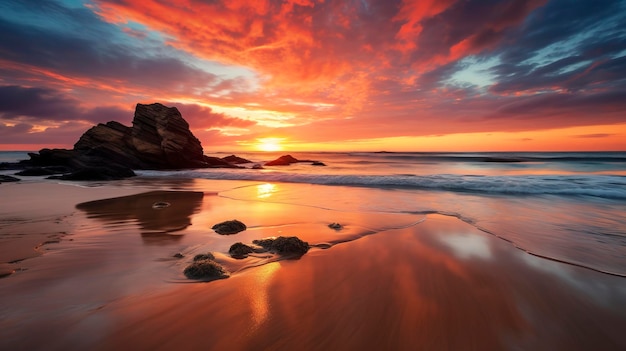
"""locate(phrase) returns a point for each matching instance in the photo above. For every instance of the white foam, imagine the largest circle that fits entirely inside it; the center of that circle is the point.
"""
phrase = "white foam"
(603, 186)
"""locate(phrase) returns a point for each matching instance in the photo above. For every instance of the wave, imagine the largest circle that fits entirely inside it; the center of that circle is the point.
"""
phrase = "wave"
(501, 157)
(602, 186)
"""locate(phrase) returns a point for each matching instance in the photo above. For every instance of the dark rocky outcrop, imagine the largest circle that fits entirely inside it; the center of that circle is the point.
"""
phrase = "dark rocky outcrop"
(229, 227)
(108, 172)
(286, 160)
(216, 162)
(502, 160)
(286, 246)
(240, 250)
(43, 171)
(6, 179)
(159, 139)
(236, 160)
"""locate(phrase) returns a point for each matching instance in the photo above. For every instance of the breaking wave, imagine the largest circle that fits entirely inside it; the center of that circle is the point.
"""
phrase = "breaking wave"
(602, 186)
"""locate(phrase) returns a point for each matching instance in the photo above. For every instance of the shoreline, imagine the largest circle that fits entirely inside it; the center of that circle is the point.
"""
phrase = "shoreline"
(386, 280)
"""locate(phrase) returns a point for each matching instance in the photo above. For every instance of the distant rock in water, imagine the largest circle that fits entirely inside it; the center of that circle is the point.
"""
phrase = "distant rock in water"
(235, 160)
(502, 159)
(229, 227)
(159, 139)
(284, 160)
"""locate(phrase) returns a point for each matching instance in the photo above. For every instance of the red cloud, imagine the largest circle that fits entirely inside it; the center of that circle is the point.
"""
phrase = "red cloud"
(321, 50)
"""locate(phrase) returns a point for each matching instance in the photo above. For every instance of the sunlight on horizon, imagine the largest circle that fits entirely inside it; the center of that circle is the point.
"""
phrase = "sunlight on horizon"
(269, 144)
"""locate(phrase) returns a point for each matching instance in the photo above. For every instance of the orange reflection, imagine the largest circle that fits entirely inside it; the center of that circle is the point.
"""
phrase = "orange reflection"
(259, 298)
(266, 190)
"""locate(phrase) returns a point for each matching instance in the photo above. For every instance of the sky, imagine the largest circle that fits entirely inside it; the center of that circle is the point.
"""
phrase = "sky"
(321, 75)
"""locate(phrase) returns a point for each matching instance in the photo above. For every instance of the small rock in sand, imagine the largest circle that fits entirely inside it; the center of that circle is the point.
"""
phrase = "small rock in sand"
(206, 256)
(229, 227)
(240, 250)
(205, 269)
(335, 226)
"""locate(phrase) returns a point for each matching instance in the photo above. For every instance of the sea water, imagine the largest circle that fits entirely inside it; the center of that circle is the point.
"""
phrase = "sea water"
(564, 206)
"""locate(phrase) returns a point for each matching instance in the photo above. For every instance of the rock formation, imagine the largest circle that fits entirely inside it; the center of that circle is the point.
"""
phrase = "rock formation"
(158, 139)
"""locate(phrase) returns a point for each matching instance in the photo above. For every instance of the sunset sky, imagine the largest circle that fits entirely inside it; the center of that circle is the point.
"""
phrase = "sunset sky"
(449, 75)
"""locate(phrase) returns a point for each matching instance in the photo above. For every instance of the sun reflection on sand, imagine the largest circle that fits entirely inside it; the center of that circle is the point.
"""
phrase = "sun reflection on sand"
(266, 190)
(257, 292)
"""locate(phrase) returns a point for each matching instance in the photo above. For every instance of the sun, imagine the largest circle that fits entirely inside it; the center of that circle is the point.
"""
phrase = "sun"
(269, 144)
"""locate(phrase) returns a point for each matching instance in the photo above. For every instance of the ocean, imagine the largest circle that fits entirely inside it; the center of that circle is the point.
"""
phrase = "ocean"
(564, 206)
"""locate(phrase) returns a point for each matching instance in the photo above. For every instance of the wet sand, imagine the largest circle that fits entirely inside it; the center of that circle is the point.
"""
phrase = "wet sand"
(385, 281)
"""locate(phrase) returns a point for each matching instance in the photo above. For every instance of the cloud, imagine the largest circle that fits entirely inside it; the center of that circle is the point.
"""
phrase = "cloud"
(44, 105)
(318, 70)
(202, 117)
(594, 136)
(84, 51)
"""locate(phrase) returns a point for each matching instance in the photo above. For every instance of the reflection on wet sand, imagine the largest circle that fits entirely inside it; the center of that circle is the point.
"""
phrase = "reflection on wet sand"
(159, 214)
(402, 289)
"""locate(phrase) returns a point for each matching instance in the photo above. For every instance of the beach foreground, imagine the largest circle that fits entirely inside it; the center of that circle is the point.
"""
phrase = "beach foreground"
(109, 276)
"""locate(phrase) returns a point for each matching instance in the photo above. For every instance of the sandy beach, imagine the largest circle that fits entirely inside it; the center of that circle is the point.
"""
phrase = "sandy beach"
(96, 267)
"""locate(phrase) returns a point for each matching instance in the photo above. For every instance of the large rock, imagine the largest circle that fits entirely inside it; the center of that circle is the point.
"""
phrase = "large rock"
(159, 139)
